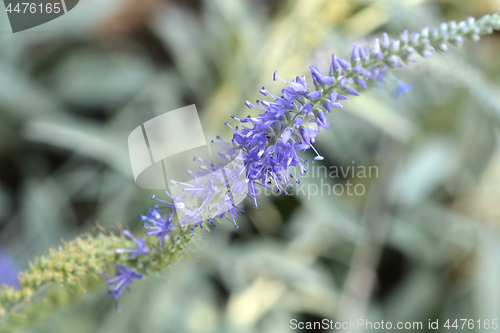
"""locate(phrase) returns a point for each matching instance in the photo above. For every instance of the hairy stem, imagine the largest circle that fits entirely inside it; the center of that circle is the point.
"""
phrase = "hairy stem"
(74, 262)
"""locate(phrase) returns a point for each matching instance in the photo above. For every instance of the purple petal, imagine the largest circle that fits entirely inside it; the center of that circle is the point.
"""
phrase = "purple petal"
(333, 96)
(344, 63)
(287, 134)
(355, 53)
(314, 95)
(327, 105)
(352, 91)
(298, 121)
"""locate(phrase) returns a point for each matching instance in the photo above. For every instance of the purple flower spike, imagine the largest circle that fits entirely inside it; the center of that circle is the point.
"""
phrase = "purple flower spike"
(269, 144)
(123, 280)
(140, 246)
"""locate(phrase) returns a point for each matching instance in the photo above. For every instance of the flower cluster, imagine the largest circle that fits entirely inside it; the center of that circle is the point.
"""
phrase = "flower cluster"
(264, 151)
(122, 280)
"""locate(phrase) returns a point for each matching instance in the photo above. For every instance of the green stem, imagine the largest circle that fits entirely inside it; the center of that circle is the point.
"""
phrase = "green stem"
(74, 262)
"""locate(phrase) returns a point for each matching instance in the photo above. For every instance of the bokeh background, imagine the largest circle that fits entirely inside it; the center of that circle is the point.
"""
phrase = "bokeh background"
(422, 243)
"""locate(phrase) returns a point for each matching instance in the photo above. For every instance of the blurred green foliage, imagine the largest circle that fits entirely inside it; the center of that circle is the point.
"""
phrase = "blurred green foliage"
(425, 236)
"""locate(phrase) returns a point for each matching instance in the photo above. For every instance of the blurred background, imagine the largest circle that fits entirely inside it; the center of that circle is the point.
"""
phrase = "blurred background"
(422, 243)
